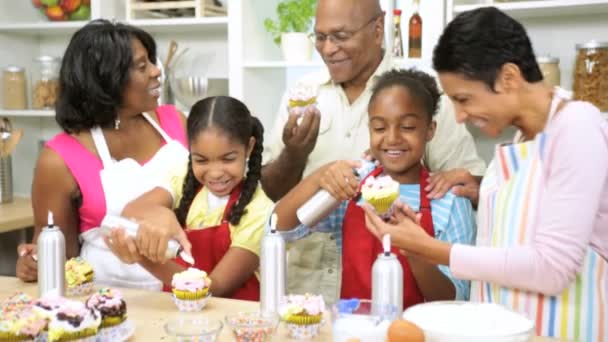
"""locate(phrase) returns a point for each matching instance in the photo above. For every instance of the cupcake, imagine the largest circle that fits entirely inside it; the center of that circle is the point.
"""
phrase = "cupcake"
(190, 289)
(113, 310)
(300, 98)
(380, 193)
(73, 321)
(78, 277)
(303, 314)
(18, 320)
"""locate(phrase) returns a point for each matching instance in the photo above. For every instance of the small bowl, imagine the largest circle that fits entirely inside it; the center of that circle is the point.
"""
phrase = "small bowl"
(353, 320)
(201, 329)
(252, 326)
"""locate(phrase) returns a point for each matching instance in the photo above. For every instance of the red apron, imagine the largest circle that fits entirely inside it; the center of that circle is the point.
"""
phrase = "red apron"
(360, 249)
(209, 245)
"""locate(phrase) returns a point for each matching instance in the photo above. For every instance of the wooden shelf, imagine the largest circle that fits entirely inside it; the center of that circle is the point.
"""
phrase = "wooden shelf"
(27, 112)
(282, 64)
(543, 8)
(42, 28)
(16, 215)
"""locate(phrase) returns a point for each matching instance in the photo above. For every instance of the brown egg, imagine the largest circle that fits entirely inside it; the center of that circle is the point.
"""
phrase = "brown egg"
(404, 331)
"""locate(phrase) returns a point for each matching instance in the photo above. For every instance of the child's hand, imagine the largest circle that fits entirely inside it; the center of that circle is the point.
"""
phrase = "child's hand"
(27, 267)
(123, 246)
(154, 234)
(339, 179)
(460, 181)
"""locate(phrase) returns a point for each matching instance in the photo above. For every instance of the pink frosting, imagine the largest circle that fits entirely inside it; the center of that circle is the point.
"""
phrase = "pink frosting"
(191, 280)
(379, 182)
(311, 304)
(105, 298)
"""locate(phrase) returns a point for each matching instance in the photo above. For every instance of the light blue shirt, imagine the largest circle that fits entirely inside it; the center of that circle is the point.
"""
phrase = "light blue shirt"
(453, 221)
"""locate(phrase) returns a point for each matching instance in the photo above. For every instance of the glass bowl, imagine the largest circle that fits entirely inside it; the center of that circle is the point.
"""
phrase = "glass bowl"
(200, 329)
(352, 319)
(252, 326)
(473, 322)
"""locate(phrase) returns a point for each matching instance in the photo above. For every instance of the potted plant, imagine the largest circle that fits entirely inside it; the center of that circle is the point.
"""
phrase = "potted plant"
(291, 30)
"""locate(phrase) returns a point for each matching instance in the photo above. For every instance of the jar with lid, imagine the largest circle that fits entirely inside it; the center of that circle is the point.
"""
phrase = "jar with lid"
(591, 74)
(14, 88)
(549, 66)
(45, 82)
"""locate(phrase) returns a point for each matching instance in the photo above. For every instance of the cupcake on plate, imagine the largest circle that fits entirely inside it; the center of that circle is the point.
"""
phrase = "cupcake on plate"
(190, 289)
(18, 320)
(78, 277)
(303, 315)
(113, 310)
(301, 98)
(73, 321)
(380, 192)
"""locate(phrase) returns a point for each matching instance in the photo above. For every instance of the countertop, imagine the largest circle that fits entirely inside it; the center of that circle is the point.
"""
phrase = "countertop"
(16, 215)
(149, 311)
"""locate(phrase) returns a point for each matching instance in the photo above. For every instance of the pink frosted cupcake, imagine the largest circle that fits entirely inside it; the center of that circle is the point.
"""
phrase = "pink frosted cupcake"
(303, 315)
(113, 310)
(18, 320)
(73, 321)
(300, 99)
(78, 277)
(190, 289)
(380, 193)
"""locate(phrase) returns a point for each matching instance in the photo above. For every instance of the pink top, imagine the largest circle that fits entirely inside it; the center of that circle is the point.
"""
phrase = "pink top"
(574, 212)
(85, 166)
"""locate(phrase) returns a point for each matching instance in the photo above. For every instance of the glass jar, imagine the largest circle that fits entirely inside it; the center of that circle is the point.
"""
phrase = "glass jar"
(45, 82)
(591, 74)
(549, 66)
(14, 91)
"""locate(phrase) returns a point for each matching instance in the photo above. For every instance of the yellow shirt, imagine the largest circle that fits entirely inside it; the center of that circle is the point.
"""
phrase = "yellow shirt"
(247, 234)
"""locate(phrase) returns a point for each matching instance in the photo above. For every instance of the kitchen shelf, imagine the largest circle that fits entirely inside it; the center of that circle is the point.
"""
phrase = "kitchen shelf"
(42, 28)
(27, 112)
(282, 64)
(169, 25)
(544, 8)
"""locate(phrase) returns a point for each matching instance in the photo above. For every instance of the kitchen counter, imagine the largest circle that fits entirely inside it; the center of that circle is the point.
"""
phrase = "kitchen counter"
(16, 215)
(150, 310)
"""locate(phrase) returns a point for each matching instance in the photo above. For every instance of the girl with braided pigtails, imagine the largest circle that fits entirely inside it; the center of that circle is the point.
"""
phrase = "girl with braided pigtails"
(215, 201)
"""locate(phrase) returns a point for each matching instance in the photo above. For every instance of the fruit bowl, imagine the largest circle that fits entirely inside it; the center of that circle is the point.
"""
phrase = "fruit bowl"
(62, 10)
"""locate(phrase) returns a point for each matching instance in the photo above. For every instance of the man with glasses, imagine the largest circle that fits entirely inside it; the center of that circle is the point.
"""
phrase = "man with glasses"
(348, 35)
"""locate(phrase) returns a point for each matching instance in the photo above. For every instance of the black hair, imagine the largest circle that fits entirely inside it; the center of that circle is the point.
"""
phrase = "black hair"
(477, 43)
(232, 117)
(94, 73)
(419, 84)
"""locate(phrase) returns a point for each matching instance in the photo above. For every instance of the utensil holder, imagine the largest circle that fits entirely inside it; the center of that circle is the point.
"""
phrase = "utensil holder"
(6, 180)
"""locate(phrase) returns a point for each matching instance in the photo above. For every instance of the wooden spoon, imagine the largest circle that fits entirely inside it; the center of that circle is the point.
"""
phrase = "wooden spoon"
(11, 143)
(170, 53)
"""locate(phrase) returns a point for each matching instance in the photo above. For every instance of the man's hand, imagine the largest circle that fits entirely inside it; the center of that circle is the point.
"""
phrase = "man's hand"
(300, 139)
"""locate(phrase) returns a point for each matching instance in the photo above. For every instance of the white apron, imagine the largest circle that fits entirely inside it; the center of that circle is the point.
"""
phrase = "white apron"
(123, 181)
(507, 216)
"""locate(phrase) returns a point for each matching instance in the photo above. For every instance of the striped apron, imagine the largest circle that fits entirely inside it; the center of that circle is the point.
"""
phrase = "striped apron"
(507, 215)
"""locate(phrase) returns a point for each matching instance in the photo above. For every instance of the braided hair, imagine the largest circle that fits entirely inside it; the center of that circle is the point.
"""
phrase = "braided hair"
(232, 117)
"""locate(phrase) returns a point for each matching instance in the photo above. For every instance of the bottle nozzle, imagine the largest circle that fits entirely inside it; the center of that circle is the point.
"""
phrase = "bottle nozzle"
(273, 223)
(185, 256)
(50, 222)
(386, 244)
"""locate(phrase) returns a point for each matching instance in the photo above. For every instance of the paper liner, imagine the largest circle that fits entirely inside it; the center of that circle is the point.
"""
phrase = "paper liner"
(117, 333)
(190, 305)
(83, 289)
(303, 331)
(383, 204)
(304, 319)
(6, 336)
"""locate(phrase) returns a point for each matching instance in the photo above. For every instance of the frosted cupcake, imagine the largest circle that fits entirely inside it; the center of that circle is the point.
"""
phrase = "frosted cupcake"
(303, 315)
(301, 98)
(113, 310)
(380, 193)
(78, 277)
(190, 289)
(18, 320)
(74, 322)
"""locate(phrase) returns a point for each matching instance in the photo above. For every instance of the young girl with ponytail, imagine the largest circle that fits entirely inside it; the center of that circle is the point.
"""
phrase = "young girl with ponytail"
(215, 204)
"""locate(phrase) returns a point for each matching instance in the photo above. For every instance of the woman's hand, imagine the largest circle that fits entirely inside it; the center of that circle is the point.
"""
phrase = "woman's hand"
(154, 234)
(123, 246)
(27, 265)
(460, 181)
(340, 180)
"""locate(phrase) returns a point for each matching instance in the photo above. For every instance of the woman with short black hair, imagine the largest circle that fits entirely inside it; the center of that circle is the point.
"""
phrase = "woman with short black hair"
(116, 144)
(542, 240)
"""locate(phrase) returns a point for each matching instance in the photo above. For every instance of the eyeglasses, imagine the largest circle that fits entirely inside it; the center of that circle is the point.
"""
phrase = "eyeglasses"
(341, 37)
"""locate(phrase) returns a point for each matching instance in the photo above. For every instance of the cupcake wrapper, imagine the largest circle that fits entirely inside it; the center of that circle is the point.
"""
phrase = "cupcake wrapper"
(112, 321)
(85, 335)
(187, 295)
(115, 333)
(303, 332)
(304, 319)
(299, 110)
(382, 205)
(83, 289)
(189, 305)
(6, 336)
